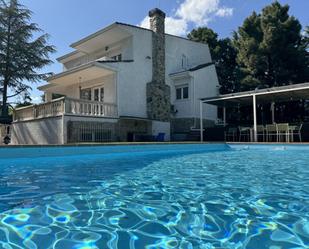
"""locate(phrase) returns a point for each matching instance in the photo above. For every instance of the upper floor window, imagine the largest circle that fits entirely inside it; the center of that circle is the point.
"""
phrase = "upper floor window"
(184, 61)
(182, 92)
(117, 57)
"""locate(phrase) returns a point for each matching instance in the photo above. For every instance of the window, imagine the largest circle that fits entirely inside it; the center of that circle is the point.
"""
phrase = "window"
(185, 92)
(178, 93)
(85, 94)
(182, 92)
(184, 61)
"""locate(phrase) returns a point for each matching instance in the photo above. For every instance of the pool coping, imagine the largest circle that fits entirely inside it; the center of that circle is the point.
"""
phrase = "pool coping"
(104, 144)
(146, 143)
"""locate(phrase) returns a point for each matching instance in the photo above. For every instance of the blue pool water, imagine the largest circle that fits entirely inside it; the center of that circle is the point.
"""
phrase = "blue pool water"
(155, 196)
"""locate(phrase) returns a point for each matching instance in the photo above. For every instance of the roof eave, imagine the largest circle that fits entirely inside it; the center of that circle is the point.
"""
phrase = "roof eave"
(89, 37)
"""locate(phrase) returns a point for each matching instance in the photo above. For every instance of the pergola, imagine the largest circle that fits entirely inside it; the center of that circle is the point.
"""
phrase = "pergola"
(261, 96)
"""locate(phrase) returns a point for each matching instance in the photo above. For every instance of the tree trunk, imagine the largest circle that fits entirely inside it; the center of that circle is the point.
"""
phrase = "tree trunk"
(5, 112)
(4, 109)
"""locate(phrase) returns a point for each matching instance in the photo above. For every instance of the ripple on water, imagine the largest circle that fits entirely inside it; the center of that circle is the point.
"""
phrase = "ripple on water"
(210, 200)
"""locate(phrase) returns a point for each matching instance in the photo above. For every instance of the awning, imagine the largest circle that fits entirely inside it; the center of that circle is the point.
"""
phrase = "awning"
(258, 96)
(263, 96)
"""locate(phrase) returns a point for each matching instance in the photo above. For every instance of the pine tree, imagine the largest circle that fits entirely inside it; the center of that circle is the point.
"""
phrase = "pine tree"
(270, 49)
(21, 54)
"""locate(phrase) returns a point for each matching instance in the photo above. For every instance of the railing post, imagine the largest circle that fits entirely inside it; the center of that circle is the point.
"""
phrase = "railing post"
(63, 103)
(34, 112)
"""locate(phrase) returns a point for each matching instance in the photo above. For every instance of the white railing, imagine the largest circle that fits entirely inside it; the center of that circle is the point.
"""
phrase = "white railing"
(90, 108)
(68, 106)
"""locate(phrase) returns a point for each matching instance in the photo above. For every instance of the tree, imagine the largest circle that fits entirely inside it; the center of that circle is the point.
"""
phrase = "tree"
(306, 38)
(223, 55)
(21, 53)
(270, 50)
(208, 36)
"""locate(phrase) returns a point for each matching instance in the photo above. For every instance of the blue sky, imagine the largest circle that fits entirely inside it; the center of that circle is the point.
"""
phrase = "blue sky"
(69, 20)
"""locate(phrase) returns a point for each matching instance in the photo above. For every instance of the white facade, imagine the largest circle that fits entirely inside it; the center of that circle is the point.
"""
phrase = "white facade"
(126, 85)
(113, 67)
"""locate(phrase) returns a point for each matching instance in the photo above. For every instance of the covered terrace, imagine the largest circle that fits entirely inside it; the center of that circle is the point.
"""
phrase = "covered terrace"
(254, 98)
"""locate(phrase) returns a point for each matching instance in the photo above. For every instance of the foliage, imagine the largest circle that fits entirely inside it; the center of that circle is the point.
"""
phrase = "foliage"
(270, 51)
(21, 52)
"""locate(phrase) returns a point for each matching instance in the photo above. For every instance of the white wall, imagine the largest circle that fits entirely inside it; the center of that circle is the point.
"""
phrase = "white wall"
(161, 127)
(184, 107)
(42, 131)
(197, 54)
(134, 76)
(123, 47)
(206, 85)
(202, 83)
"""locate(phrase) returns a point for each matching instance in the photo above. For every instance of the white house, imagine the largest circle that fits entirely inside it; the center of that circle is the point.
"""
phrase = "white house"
(123, 83)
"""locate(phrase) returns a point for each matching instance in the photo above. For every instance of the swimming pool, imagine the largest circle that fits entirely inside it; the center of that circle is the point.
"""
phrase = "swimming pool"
(155, 196)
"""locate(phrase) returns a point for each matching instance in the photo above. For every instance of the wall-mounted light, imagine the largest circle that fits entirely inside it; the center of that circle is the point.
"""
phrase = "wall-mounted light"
(106, 48)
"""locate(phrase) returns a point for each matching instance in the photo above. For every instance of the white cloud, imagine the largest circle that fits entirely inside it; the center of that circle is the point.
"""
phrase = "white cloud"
(145, 23)
(174, 26)
(224, 12)
(195, 12)
(36, 99)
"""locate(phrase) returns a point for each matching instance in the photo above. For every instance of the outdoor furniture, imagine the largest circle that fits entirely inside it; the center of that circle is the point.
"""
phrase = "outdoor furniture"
(231, 133)
(283, 131)
(244, 132)
(295, 130)
(260, 129)
(271, 132)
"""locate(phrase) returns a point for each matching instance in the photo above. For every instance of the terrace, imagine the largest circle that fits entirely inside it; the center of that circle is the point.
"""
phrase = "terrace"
(66, 106)
(271, 132)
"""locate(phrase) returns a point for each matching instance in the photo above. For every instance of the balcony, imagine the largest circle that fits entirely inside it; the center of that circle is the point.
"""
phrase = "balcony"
(66, 106)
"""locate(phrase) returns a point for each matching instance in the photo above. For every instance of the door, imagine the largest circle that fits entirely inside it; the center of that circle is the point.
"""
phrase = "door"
(98, 95)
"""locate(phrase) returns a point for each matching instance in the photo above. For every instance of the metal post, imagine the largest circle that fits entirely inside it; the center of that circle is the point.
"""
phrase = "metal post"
(273, 112)
(224, 116)
(201, 121)
(254, 118)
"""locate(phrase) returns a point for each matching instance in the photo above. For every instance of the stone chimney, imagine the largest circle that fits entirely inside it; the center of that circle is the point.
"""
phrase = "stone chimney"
(157, 25)
(158, 93)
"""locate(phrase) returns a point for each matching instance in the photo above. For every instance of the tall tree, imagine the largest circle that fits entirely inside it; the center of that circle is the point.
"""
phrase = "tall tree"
(22, 53)
(269, 47)
(223, 55)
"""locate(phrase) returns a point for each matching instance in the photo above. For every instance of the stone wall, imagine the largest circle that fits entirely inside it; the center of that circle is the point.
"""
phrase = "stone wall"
(128, 128)
(158, 101)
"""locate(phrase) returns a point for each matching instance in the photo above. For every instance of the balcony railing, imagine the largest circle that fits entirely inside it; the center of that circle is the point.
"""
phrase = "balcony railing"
(67, 106)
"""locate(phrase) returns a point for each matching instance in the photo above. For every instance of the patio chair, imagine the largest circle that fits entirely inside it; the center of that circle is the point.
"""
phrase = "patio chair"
(283, 131)
(296, 131)
(271, 131)
(244, 132)
(230, 133)
(260, 129)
